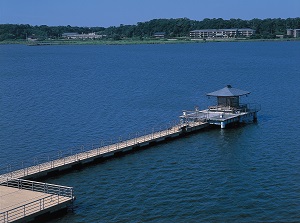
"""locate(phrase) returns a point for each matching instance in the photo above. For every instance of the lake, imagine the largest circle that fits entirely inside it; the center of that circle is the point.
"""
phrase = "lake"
(55, 98)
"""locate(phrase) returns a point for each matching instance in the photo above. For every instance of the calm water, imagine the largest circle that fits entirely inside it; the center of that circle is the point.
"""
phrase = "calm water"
(59, 97)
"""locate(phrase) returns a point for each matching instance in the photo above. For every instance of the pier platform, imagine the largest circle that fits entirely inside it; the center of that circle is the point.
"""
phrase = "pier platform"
(223, 115)
(24, 201)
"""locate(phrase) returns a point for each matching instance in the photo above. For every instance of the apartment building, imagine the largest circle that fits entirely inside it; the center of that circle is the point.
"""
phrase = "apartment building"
(82, 36)
(221, 33)
(293, 32)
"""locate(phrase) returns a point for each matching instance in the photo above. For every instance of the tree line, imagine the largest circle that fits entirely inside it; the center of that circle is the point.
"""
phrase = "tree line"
(173, 28)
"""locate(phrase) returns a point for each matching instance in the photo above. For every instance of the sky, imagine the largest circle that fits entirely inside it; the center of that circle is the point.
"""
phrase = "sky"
(105, 13)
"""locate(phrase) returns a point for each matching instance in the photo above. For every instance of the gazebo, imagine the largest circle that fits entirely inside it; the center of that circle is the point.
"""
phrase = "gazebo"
(228, 110)
(228, 97)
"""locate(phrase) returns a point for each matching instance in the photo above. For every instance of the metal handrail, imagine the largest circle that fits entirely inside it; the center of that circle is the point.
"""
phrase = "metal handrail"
(254, 107)
(249, 107)
(38, 187)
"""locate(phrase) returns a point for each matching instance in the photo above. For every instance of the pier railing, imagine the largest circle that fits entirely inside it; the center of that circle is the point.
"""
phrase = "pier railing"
(38, 187)
(194, 116)
(64, 157)
(38, 162)
(53, 195)
(249, 107)
(253, 107)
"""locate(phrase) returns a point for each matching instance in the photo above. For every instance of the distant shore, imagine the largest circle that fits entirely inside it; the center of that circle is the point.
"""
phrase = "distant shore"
(136, 42)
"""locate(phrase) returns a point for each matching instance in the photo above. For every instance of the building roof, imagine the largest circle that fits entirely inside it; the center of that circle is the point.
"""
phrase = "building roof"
(159, 33)
(246, 29)
(228, 91)
(222, 30)
(67, 34)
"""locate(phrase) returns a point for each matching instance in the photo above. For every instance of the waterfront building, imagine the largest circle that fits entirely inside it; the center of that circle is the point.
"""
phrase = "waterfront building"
(159, 35)
(293, 32)
(82, 36)
(221, 33)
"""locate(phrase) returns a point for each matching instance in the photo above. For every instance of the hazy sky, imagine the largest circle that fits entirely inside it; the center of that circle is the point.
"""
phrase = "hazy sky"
(115, 12)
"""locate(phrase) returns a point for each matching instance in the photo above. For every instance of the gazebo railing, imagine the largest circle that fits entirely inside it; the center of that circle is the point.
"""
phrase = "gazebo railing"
(249, 107)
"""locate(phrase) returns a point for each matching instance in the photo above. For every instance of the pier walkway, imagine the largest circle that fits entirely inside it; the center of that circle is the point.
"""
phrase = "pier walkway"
(77, 159)
(22, 200)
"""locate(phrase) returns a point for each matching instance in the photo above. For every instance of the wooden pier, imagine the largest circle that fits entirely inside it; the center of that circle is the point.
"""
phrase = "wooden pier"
(53, 167)
(23, 200)
(14, 189)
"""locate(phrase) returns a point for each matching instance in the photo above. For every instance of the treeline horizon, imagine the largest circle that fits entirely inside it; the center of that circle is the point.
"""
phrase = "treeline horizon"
(180, 27)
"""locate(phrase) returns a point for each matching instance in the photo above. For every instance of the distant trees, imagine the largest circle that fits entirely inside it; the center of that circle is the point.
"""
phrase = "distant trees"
(12, 31)
(265, 28)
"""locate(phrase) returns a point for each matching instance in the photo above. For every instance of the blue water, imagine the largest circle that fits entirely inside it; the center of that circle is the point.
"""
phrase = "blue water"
(60, 97)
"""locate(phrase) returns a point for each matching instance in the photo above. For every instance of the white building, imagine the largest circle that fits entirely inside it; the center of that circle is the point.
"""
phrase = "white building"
(293, 32)
(159, 35)
(82, 36)
(221, 33)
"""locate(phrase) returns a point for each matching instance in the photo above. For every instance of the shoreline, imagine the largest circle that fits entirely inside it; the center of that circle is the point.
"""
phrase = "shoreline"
(135, 42)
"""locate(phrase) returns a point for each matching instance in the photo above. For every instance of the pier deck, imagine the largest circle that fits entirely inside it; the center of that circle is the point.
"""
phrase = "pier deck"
(69, 162)
(217, 115)
(23, 200)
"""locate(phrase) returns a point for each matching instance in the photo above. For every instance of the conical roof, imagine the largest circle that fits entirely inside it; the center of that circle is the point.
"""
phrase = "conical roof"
(228, 91)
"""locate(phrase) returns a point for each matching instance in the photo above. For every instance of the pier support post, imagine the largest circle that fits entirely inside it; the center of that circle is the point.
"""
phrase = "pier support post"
(255, 117)
(223, 125)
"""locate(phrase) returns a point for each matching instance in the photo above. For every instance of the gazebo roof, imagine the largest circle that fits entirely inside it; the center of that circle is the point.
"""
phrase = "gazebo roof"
(228, 91)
